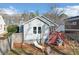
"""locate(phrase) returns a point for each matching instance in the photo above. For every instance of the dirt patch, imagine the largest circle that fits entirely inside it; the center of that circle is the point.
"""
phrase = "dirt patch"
(28, 48)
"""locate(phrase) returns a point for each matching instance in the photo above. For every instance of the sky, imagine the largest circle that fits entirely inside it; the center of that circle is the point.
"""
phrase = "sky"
(24, 7)
(71, 9)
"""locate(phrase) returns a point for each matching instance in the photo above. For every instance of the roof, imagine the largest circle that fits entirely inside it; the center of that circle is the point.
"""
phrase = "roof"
(72, 18)
(43, 19)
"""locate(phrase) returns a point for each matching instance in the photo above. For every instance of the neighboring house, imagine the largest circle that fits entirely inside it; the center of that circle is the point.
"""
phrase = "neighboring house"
(72, 24)
(38, 29)
(72, 27)
(2, 25)
(4, 42)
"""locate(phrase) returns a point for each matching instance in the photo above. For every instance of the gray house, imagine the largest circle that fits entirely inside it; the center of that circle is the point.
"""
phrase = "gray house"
(72, 27)
(72, 24)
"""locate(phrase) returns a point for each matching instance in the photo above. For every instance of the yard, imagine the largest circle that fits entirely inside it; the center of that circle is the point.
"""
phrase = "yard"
(68, 49)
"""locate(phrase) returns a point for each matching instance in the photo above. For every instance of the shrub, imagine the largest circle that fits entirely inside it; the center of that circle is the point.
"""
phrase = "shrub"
(12, 29)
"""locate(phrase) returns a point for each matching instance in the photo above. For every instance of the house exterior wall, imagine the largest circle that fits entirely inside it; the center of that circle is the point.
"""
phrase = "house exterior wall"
(72, 28)
(28, 30)
(2, 24)
(4, 46)
(2, 28)
(72, 24)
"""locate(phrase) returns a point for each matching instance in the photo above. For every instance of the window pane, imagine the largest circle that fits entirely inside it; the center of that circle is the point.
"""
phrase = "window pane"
(39, 29)
(34, 30)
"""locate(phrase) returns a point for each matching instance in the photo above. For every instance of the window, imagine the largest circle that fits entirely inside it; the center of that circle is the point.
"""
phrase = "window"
(34, 30)
(20, 29)
(52, 28)
(39, 29)
(71, 23)
(74, 23)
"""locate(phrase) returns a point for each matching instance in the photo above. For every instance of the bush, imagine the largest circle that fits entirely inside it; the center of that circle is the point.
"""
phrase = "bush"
(12, 28)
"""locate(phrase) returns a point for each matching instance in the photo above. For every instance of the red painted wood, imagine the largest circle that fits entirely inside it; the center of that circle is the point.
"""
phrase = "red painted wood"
(55, 36)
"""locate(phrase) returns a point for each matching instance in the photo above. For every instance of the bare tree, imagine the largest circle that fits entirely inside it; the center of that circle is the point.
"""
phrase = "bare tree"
(56, 15)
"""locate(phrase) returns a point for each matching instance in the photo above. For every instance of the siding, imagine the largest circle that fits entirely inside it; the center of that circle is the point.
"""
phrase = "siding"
(28, 30)
(4, 46)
